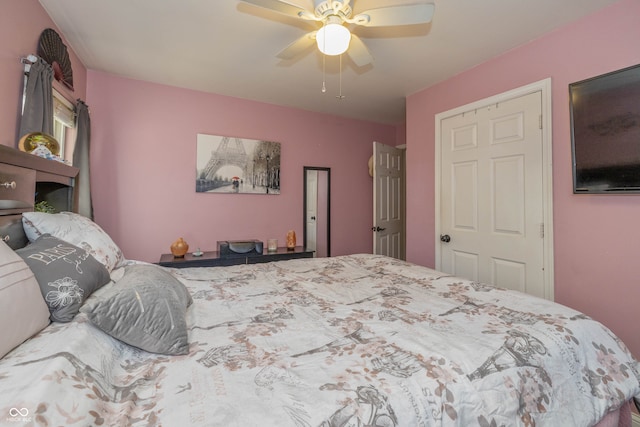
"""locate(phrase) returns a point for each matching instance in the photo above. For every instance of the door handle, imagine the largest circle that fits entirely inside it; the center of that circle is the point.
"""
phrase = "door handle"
(377, 229)
(313, 218)
(445, 238)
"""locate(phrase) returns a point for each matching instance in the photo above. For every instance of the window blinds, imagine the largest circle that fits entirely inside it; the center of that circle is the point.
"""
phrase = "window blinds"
(63, 110)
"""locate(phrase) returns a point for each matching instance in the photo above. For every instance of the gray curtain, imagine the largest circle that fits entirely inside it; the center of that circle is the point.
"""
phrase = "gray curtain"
(38, 102)
(81, 160)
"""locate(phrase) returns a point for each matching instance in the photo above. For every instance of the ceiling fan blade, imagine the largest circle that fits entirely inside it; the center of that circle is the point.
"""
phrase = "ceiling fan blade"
(279, 6)
(358, 52)
(298, 46)
(408, 14)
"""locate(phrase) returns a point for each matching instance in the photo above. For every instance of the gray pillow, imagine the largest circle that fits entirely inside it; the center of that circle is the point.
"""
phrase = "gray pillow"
(145, 309)
(67, 274)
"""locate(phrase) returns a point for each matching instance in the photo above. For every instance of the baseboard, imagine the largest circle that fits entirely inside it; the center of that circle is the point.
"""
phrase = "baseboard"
(635, 420)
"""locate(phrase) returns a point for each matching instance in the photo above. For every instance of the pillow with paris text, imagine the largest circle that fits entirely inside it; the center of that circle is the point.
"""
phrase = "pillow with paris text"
(67, 274)
(77, 230)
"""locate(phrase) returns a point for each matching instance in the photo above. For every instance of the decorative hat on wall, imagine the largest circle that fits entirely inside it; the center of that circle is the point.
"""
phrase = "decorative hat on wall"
(54, 52)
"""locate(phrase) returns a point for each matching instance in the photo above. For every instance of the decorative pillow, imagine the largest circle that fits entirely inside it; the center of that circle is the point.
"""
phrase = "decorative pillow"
(67, 274)
(77, 230)
(23, 312)
(145, 309)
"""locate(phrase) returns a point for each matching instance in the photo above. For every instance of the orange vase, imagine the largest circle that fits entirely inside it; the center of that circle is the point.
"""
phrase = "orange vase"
(179, 248)
(291, 240)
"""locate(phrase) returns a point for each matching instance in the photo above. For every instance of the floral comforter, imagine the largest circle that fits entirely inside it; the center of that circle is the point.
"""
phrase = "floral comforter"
(357, 340)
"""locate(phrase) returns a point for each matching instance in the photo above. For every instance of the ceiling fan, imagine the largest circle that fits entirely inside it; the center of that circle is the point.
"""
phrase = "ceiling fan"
(334, 38)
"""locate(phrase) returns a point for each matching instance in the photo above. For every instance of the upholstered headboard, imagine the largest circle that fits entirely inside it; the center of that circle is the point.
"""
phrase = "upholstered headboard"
(26, 179)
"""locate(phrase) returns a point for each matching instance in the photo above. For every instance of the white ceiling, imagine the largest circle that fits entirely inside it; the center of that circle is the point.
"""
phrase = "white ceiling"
(228, 47)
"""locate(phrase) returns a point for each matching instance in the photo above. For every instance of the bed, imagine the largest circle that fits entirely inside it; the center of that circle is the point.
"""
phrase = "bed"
(354, 340)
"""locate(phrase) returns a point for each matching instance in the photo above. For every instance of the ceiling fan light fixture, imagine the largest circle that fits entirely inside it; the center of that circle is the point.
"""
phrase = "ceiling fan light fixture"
(333, 39)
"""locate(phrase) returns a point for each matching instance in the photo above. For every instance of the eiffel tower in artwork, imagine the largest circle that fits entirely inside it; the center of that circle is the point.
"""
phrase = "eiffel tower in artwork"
(230, 152)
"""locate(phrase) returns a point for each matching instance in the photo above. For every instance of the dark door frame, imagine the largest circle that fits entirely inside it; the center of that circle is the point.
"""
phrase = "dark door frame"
(304, 205)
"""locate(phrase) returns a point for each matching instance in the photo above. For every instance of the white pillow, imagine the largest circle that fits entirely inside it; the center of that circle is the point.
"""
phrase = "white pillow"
(23, 312)
(77, 230)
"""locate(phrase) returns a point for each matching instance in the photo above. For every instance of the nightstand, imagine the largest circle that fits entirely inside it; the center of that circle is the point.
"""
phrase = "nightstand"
(213, 259)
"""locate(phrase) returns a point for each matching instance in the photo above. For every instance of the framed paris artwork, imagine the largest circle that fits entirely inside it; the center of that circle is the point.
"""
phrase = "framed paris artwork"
(227, 164)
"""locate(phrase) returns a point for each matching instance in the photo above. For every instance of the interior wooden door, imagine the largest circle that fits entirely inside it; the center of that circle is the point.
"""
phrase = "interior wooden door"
(388, 216)
(491, 206)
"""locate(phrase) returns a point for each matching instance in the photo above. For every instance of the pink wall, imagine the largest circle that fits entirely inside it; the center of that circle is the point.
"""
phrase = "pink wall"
(597, 238)
(143, 168)
(21, 23)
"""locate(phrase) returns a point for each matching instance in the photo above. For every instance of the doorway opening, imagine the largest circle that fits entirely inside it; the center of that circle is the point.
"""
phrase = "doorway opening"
(317, 210)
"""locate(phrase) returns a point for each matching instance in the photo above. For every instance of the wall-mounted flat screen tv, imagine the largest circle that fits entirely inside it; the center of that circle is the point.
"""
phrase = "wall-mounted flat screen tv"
(605, 133)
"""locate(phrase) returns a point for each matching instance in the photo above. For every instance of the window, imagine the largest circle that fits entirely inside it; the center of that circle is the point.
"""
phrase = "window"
(64, 117)
(63, 121)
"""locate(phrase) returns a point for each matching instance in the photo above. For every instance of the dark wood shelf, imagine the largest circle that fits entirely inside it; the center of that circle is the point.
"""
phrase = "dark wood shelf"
(37, 179)
(213, 259)
(46, 170)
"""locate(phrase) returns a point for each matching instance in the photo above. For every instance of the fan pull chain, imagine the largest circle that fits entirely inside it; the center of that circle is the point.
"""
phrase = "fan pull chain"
(340, 96)
(324, 59)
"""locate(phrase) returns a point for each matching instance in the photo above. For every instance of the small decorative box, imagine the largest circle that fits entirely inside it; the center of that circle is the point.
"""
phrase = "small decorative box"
(236, 248)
